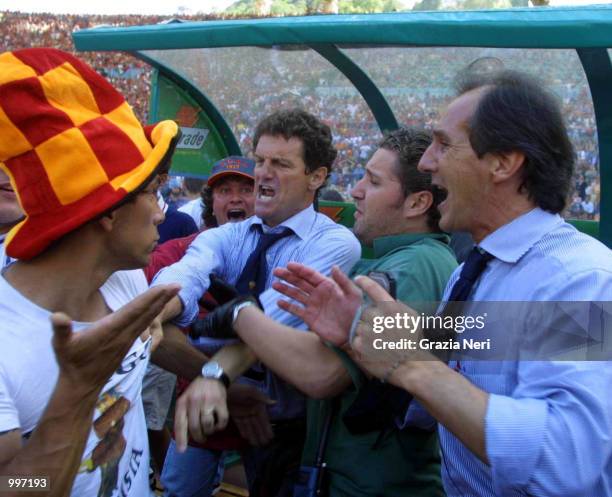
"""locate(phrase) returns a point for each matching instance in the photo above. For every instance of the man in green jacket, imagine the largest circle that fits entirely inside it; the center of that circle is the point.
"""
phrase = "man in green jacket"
(396, 215)
(366, 453)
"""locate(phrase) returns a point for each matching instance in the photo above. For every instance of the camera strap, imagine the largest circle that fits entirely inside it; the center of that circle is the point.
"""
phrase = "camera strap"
(319, 462)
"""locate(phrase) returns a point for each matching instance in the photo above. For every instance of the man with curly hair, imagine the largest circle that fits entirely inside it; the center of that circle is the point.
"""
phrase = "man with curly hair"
(293, 158)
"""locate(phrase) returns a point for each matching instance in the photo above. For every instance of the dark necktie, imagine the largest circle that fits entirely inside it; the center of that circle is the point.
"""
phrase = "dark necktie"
(474, 265)
(253, 277)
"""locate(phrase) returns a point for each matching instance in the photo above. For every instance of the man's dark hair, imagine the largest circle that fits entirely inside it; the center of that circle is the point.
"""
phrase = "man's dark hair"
(316, 136)
(194, 185)
(410, 144)
(208, 216)
(516, 113)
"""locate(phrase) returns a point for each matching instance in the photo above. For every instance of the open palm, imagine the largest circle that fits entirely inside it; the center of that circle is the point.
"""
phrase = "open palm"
(328, 305)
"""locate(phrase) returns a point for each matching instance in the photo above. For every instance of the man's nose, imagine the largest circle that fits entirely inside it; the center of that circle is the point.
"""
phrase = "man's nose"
(158, 216)
(357, 190)
(427, 163)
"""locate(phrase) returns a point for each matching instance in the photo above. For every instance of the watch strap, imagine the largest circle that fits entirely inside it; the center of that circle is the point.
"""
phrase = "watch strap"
(225, 380)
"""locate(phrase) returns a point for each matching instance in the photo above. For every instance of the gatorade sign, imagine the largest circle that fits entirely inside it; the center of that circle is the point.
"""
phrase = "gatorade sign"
(192, 138)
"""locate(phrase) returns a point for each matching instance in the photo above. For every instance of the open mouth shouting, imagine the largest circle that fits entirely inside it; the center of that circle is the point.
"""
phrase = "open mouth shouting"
(442, 192)
(234, 215)
(265, 193)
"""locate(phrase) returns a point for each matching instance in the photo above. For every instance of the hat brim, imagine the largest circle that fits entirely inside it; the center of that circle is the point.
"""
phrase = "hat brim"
(215, 178)
(35, 233)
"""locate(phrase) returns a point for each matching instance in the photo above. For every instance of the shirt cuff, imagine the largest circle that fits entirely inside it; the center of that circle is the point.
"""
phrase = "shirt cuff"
(190, 310)
(188, 301)
(514, 436)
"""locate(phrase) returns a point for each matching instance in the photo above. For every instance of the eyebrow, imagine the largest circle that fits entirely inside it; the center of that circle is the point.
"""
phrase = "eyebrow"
(372, 174)
(440, 134)
(284, 160)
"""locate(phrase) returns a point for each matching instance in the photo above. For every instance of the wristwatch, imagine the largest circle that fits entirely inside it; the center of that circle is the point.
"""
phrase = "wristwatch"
(212, 370)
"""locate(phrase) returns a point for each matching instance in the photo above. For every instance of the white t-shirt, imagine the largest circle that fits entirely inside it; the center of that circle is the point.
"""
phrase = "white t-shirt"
(116, 456)
(5, 260)
(194, 208)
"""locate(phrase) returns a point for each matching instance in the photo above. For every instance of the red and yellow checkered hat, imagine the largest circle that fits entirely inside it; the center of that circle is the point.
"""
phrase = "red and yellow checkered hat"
(70, 144)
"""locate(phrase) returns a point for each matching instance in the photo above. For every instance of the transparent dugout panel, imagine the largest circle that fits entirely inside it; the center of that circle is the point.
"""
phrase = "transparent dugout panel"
(247, 83)
(419, 81)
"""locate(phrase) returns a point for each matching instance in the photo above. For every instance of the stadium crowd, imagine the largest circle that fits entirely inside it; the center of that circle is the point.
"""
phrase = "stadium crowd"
(266, 80)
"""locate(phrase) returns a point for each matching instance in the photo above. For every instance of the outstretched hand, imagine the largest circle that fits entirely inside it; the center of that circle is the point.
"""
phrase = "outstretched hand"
(328, 304)
(382, 362)
(88, 358)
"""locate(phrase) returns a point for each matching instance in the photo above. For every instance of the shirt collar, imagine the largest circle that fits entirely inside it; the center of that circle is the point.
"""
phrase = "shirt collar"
(512, 241)
(385, 244)
(300, 223)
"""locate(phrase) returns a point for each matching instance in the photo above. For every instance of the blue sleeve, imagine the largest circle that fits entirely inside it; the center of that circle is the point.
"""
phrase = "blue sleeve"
(417, 416)
(203, 256)
(341, 249)
(552, 435)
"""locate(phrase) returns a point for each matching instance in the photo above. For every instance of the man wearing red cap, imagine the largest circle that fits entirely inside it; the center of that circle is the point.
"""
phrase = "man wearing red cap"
(86, 174)
(228, 197)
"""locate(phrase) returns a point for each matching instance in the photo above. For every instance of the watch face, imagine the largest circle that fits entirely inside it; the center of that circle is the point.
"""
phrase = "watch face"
(212, 370)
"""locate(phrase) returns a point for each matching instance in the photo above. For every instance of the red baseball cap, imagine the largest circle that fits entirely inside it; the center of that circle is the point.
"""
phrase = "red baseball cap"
(233, 165)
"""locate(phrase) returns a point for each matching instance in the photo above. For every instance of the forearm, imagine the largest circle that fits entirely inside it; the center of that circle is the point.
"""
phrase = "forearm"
(235, 359)
(55, 448)
(172, 309)
(192, 274)
(450, 398)
(177, 355)
(298, 357)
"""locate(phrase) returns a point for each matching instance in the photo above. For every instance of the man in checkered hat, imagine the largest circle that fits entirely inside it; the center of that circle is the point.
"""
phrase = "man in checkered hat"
(86, 174)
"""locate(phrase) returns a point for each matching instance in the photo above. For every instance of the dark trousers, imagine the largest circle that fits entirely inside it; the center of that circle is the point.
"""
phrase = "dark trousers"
(272, 470)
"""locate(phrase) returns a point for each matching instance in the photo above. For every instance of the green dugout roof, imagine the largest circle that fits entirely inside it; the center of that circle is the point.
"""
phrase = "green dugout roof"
(588, 27)
(586, 31)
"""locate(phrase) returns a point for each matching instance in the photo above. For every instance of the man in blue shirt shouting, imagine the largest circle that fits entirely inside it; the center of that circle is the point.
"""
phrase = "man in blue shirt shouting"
(293, 154)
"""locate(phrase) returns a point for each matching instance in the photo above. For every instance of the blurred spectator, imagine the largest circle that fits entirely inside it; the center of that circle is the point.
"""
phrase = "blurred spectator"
(192, 188)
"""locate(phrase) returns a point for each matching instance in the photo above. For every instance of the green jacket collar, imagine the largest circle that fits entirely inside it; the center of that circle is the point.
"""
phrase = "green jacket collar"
(385, 244)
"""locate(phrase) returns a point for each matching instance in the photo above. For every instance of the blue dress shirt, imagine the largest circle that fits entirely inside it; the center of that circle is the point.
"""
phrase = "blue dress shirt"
(317, 241)
(548, 425)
